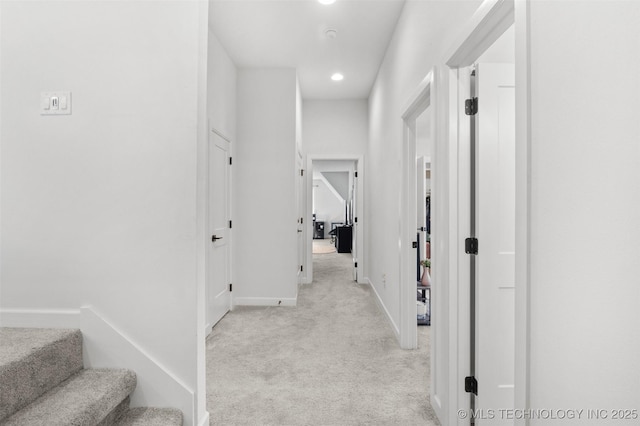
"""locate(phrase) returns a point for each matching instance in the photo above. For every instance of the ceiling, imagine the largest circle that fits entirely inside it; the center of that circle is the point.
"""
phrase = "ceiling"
(291, 33)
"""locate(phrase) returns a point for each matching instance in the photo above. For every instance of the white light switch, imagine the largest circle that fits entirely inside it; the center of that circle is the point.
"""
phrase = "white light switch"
(55, 103)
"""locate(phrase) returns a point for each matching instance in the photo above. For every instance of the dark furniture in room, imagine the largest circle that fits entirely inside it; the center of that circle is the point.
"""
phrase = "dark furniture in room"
(343, 238)
(318, 230)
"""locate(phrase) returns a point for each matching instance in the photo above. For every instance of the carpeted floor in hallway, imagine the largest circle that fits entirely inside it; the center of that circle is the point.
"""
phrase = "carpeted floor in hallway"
(332, 360)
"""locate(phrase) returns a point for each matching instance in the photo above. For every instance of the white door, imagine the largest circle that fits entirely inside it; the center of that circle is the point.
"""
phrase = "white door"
(301, 219)
(354, 229)
(495, 262)
(218, 294)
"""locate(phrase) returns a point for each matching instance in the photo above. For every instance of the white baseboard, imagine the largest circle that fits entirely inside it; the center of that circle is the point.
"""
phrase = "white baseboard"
(264, 301)
(392, 323)
(40, 318)
(204, 421)
(106, 347)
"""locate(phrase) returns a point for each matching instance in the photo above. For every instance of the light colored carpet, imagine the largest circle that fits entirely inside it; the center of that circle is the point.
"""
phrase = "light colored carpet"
(323, 247)
(332, 360)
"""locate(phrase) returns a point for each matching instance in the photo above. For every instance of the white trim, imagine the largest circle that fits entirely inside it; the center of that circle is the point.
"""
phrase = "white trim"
(38, 318)
(523, 209)
(104, 346)
(419, 103)
(383, 308)
(492, 18)
(204, 421)
(265, 301)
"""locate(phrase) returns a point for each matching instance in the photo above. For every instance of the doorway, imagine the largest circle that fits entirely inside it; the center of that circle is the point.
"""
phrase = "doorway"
(484, 177)
(335, 210)
(217, 291)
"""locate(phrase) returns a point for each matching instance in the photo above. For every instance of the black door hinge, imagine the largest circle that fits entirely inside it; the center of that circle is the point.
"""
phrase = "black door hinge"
(355, 220)
(301, 172)
(301, 268)
(230, 287)
(356, 265)
(230, 161)
(301, 220)
(471, 385)
(471, 245)
(230, 224)
(356, 174)
(414, 244)
(471, 106)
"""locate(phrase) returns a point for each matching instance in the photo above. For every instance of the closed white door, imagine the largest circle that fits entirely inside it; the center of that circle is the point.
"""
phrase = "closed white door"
(218, 292)
(495, 262)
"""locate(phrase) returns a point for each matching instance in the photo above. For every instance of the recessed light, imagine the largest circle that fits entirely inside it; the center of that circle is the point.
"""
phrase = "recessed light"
(337, 77)
(327, 1)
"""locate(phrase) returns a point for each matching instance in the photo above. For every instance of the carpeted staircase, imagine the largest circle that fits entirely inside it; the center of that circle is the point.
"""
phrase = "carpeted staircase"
(43, 382)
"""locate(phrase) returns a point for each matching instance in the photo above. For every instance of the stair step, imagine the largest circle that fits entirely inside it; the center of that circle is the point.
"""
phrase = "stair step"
(33, 361)
(144, 416)
(84, 399)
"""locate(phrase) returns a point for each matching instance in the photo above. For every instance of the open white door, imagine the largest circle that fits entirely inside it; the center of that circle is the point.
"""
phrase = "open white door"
(495, 262)
(218, 294)
(354, 213)
(301, 207)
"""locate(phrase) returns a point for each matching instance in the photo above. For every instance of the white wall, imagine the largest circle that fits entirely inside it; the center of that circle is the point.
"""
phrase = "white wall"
(221, 89)
(99, 207)
(409, 58)
(585, 205)
(265, 227)
(327, 206)
(425, 32)
(335, 128)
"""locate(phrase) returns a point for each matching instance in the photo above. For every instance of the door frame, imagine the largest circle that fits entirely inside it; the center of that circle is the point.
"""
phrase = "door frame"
(489, 22)
(423, 101)
(308, 229)
(209, 326)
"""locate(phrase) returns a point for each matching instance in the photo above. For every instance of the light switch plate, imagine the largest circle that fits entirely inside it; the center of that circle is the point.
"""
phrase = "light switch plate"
(55, 103)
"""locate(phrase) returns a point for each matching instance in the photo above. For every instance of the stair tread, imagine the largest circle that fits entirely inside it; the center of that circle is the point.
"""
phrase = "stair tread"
(18, 343)
(84, 399)
(33, 361)
(147, 416)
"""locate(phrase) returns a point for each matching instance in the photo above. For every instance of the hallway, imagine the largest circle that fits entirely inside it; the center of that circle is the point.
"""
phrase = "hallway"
(332, 360)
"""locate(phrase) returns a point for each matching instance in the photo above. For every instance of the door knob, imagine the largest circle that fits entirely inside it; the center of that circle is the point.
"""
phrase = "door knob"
(215, 238)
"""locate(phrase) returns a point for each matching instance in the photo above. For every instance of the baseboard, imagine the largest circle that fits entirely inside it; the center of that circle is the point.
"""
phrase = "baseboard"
(40, 318)
(107, 347)
(204, 421)
(264, 301)
(381, 305)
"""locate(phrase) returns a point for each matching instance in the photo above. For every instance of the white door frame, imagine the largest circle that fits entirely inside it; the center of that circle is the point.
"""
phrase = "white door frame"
(420, 103)
(485, 27)
(308, 229)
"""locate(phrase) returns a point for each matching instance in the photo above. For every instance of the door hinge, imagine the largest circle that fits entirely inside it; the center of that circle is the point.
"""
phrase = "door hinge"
(230, 161)
(301, 268)
(414, 244)
(355, 174)
(355, 219)
(301, 172)
(230, 287)
(301, 220)
(471, 245)
(356, 265)
(471, 106)
(230, 224)
(471, 385)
